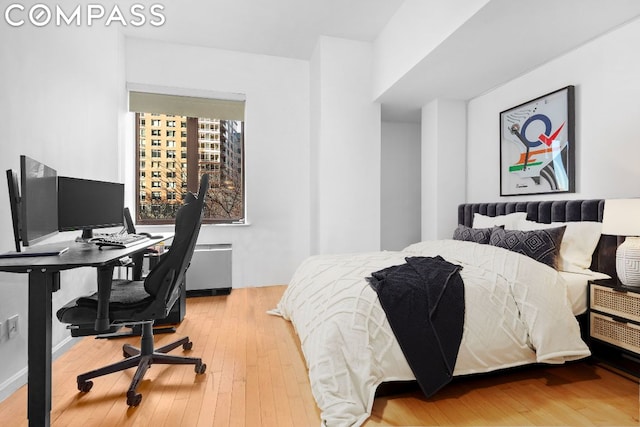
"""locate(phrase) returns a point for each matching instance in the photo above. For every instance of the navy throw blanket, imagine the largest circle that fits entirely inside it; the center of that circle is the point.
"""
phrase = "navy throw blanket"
(424, 303)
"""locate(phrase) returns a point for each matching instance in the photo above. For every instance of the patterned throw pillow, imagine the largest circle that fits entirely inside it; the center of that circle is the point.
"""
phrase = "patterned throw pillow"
(478, 235)
(541, 245)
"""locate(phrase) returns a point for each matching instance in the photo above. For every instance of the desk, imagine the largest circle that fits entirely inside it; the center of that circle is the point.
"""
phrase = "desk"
(44, 279)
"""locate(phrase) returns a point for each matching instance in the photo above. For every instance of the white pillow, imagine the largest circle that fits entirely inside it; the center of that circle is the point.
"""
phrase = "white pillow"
(578, 243)
(509, 221)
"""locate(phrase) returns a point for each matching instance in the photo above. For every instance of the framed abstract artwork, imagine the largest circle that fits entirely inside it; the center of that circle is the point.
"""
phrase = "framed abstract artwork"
(537, 145)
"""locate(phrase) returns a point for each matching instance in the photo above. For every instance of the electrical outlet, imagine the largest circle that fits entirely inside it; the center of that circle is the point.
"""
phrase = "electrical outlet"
(12, 326)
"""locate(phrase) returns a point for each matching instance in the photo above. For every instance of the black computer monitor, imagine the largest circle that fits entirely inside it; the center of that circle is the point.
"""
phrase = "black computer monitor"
(37, 206)
(128, 222)
(14, 203)
(85, 204)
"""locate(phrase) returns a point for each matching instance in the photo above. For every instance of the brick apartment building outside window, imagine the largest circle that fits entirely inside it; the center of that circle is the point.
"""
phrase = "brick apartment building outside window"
(182, 148)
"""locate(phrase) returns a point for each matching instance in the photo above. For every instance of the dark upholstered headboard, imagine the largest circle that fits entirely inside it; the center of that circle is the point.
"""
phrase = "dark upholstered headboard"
(553, 211)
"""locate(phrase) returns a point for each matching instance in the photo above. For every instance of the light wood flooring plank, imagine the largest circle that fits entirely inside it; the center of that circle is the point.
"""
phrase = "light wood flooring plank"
(256, 376)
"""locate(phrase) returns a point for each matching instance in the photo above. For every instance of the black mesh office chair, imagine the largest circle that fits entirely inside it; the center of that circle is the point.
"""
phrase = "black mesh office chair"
(135, 263)
(142, 302)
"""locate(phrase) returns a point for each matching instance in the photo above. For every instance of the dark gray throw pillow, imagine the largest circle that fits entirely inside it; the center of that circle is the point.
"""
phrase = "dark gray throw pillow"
(541, 245)
(468, 234)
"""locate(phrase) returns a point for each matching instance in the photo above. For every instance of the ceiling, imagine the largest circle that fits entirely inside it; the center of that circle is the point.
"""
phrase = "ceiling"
(286, 28)
(502, 41)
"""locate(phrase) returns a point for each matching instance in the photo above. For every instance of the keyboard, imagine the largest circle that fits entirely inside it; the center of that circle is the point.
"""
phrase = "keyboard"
(119, 240)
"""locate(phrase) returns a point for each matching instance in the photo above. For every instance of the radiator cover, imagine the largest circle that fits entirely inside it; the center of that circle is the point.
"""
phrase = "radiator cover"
(210, 270)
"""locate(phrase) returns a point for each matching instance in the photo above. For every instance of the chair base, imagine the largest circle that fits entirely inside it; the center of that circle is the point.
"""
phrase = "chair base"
(143, 358)
(136, 331)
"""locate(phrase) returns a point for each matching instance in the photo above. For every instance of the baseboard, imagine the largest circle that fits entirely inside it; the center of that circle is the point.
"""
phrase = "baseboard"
(207, 292)
(17, 380)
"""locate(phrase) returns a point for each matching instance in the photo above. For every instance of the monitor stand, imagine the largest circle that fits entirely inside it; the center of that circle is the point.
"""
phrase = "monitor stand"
(87, 235)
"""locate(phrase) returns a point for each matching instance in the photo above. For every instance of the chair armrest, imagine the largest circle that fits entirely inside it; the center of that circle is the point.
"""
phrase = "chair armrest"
(105, 276)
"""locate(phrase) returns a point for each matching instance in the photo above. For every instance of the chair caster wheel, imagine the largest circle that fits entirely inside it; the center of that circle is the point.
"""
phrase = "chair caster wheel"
(187, 346)
(85, 386)
(133, 398)
(201, 368)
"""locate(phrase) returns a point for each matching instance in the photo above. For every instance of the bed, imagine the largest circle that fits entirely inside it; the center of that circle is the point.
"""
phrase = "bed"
(517, 310)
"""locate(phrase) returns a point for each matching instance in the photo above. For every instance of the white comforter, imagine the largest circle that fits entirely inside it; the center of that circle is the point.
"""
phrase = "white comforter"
(516, 313)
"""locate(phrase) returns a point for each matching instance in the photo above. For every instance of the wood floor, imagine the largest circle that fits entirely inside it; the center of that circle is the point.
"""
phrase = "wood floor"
(256, 377)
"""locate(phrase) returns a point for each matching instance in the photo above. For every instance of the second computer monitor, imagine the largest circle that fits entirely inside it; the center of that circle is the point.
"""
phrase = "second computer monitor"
(85, 204)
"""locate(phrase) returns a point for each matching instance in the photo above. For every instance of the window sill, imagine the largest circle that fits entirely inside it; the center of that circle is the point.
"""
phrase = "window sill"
(170, 227)
(231, 224)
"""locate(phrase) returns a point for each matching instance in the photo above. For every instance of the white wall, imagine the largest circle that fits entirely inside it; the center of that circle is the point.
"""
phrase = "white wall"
(276, 148)
(443, 166)
(605, 75)
(346, 147)
(417, 28)
(61, 104)
(400, 185)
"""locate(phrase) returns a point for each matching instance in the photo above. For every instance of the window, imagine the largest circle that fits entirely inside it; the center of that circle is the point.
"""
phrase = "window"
(211, 140)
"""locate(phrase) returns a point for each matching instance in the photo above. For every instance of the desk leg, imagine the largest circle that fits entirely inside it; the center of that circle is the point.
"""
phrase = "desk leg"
(41, 286)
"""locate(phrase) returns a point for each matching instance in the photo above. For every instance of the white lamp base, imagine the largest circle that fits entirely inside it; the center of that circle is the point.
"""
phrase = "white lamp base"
(628, 261)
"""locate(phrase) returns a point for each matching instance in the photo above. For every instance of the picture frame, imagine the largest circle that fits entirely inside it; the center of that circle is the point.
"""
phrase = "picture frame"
(537, 145)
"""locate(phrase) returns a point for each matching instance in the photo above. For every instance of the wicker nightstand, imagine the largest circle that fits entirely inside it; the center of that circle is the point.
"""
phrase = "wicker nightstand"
(614, 325)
